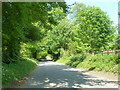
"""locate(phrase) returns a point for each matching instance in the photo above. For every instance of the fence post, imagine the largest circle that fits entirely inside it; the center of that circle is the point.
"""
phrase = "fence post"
(108, 52)
(102, 53)
(115, 52)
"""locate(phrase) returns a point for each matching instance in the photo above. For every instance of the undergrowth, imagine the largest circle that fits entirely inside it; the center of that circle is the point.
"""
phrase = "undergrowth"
(14, 71)
(108, 63)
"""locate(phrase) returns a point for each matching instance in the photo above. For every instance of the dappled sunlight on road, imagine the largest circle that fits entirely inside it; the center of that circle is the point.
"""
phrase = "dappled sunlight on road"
(57, 75)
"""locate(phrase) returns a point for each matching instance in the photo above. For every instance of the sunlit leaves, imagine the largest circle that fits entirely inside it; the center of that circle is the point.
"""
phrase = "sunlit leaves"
(17, 19)
(94, 26)
(60, 36)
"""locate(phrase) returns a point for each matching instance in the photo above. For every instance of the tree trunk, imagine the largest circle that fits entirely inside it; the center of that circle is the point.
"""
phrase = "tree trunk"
(35, 55)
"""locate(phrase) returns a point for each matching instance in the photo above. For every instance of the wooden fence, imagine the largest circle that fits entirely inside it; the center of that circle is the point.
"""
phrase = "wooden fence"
(106, 52)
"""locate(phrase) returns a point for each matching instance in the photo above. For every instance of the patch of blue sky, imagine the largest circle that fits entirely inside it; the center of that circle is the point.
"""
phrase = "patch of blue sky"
(108, 6)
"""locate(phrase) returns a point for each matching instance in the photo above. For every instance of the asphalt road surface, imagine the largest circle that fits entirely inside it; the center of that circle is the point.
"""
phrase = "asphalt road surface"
(56, 75)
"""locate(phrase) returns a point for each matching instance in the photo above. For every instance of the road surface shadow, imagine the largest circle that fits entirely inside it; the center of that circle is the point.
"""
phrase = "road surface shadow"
(56, 75)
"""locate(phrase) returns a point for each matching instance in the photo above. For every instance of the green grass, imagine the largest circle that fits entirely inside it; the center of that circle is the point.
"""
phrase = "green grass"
(109, 63)
(64, 60)
(17, 70)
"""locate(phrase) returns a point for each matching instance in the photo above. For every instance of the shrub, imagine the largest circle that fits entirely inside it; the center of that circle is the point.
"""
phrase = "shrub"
(80, 57)
(117, 58)
(42, 55)
(64, 53)
(74, 64)
(75, 58)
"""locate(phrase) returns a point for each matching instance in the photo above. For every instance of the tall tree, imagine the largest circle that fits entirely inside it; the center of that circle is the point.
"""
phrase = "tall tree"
(17, 19)
(93, 26)
(60, 37)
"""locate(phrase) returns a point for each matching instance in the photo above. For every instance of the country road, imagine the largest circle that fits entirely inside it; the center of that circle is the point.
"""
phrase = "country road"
(56, 75)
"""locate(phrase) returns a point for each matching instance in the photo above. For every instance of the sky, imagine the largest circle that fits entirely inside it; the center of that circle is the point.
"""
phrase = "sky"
(108, 6)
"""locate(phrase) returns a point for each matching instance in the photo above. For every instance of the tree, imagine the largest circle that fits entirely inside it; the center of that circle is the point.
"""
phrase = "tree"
(93, 26)
(59, 37)
(17, 19)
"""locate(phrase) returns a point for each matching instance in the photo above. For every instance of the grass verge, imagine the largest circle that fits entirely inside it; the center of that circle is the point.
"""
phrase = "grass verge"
(14, 71)
(108, 63)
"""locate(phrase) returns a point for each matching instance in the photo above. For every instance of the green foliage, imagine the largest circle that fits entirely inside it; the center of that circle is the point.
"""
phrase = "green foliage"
(18, 21)
(34, 49)
(93, 27)
(75, 60)
(60, 37)
(56, 14)
(32, 33)
(64, 53)
(25, 51)
(42, 55)
(106, 62)
(13, 71)
(117, 41)
(90, 30)
(42, 27)
(25, 25)
(49, 57)
(64, 60)
(37, 29)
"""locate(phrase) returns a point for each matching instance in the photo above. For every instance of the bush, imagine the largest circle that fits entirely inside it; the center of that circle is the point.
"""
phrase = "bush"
(117, 58)
(64, 53)
(83, 56)
(106, 62)
(75, 58)
(42, 55)
(74, 64)
(80, 57)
